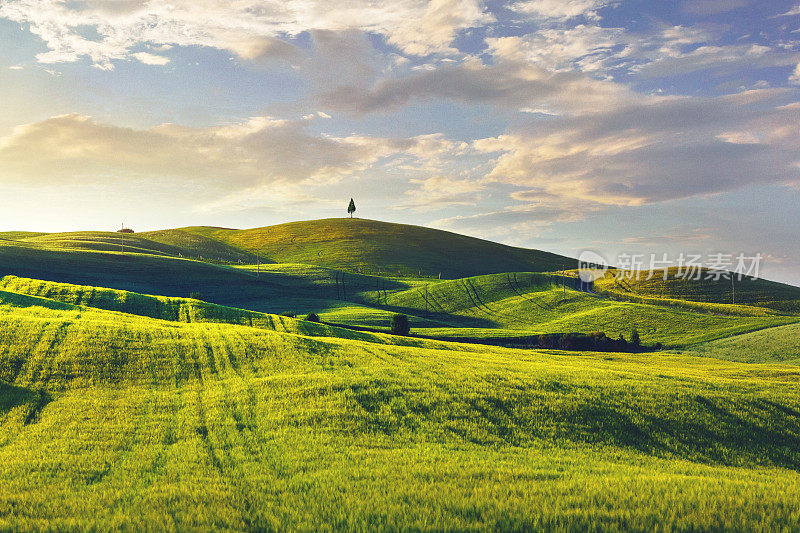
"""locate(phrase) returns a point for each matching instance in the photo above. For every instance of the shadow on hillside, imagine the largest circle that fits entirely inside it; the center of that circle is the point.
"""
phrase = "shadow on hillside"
(731, 430)
(150, 274)
(715, 431)
(448, 319)
(31, 401)
(23, 300)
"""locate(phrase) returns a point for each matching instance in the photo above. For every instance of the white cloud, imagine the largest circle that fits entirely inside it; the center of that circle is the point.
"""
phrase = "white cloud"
(583, 47)
(441, 191)
(792, 12)
(511, 80)
(249, 29)
(438, 25)
(520, 222)
(795, 77)
(560, 9)
(652, 151)
(150, 59)
(16, 67)
(668, 51)
(707, 57)
(260, 151)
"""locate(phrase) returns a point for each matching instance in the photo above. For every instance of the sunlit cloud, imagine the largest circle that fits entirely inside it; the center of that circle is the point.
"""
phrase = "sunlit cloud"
(653, 151)
(511, 80)
(440, 191)
(150, 59)
(262, 150)
(248, 29)
(560, 9)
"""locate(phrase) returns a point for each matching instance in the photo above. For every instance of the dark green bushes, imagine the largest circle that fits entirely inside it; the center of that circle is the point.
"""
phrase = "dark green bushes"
(400, 324)
(596, 342)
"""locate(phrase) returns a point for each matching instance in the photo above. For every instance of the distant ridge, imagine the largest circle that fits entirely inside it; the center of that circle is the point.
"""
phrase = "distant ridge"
(384, 247)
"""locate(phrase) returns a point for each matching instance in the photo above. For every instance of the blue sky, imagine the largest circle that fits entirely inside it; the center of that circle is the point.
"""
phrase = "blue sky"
(615, 126)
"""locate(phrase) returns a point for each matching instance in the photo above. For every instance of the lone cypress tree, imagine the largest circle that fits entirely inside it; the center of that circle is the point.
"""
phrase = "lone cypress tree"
(351, 208)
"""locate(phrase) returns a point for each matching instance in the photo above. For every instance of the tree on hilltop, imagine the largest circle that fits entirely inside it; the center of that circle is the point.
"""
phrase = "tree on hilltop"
(351, 208)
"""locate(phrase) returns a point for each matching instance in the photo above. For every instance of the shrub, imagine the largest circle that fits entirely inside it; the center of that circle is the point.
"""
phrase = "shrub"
(312, 317)
(400, 324)
(195, 295)
(635, 340)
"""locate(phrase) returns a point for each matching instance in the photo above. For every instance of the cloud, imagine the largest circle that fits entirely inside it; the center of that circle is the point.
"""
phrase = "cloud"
(678, 235)
(435, 30)
(520, 222)
(441, 191)
(261, 151)
(510, 81)
(150, 59)
(653, 151)
(707, 57)
(792, 12)
(560, 9)
(667, 51)
(16, 67)
(795, 77)
(254, 29)
(583, 47)
(712, 7)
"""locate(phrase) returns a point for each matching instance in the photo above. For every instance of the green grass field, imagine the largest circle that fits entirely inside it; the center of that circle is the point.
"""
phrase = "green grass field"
(124, 404)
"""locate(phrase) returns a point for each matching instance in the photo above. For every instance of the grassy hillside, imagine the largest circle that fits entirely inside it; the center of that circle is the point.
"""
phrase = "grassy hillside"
(523, 302)
(135, 407)
(282, 289)
(534, 303)
(31, 294)
(175, 243)
(111, 420)
(781, 344)
(371, 246)
(748, 291)
(19, 235)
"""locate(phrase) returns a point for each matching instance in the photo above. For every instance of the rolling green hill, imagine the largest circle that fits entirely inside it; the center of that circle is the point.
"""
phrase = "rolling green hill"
(114, 420)
(535, 303)
(499, 304)
(371, 246)
(175, 243)
(748, 290)
(781, 344)
(126, 405)
(351, 244)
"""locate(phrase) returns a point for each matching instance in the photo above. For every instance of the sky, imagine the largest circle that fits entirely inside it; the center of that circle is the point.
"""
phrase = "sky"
(621, 127)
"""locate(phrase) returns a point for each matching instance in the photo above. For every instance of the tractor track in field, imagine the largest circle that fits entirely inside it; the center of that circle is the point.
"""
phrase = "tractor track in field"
(428, 297)
(518, 291)
(129, 438)
(433, 299)
(468, 284)
(474, 303)
(202, 432)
